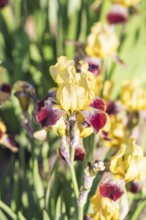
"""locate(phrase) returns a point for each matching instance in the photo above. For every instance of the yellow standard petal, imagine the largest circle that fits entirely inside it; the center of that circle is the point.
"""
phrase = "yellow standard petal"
(127, 3)
(75, 89)
(63, 71)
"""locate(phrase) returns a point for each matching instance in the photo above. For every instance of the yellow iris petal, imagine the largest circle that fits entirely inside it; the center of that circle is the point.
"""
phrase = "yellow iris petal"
(102, 41)
(127, 3)
(129, 162)
(104, 208)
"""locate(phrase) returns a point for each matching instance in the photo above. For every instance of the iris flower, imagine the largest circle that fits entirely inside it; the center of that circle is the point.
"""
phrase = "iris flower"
(73, 100)
(129, 162)
(102, 42)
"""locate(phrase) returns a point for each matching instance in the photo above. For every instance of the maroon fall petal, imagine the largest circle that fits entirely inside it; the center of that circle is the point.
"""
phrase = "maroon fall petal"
(118, 14)
(95, 118)
(42, 114)
(110, 190)
(98, 103)
(116, 18)
(48, 116)
(3, 3)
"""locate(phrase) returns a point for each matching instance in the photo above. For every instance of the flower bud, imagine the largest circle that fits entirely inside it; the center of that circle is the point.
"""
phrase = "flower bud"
(24, 92)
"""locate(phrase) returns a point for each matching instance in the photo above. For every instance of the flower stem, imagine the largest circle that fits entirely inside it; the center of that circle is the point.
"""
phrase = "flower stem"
(74, 180)
(80, 213)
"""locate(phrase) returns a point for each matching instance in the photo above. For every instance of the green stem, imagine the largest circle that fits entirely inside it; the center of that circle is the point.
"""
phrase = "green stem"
(7, 209)
(80, 213)
(74, 180)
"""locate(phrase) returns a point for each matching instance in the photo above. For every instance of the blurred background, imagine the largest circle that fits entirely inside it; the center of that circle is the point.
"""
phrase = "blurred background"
(32, 35)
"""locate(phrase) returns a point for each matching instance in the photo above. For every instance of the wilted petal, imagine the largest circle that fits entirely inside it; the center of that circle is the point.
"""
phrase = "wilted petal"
(111, 190)
(98, 103)
(80, 153)
(94, 65)
(96, 118)
(64, 151)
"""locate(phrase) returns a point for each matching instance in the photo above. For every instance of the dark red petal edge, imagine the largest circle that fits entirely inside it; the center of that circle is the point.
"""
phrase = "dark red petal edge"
(98, 103)
(95, 118)
(110, 190)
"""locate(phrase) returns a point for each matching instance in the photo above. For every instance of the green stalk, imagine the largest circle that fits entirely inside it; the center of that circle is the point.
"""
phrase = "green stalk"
(75, 184)
(74, 180)
(80, 212)
(8, 210)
